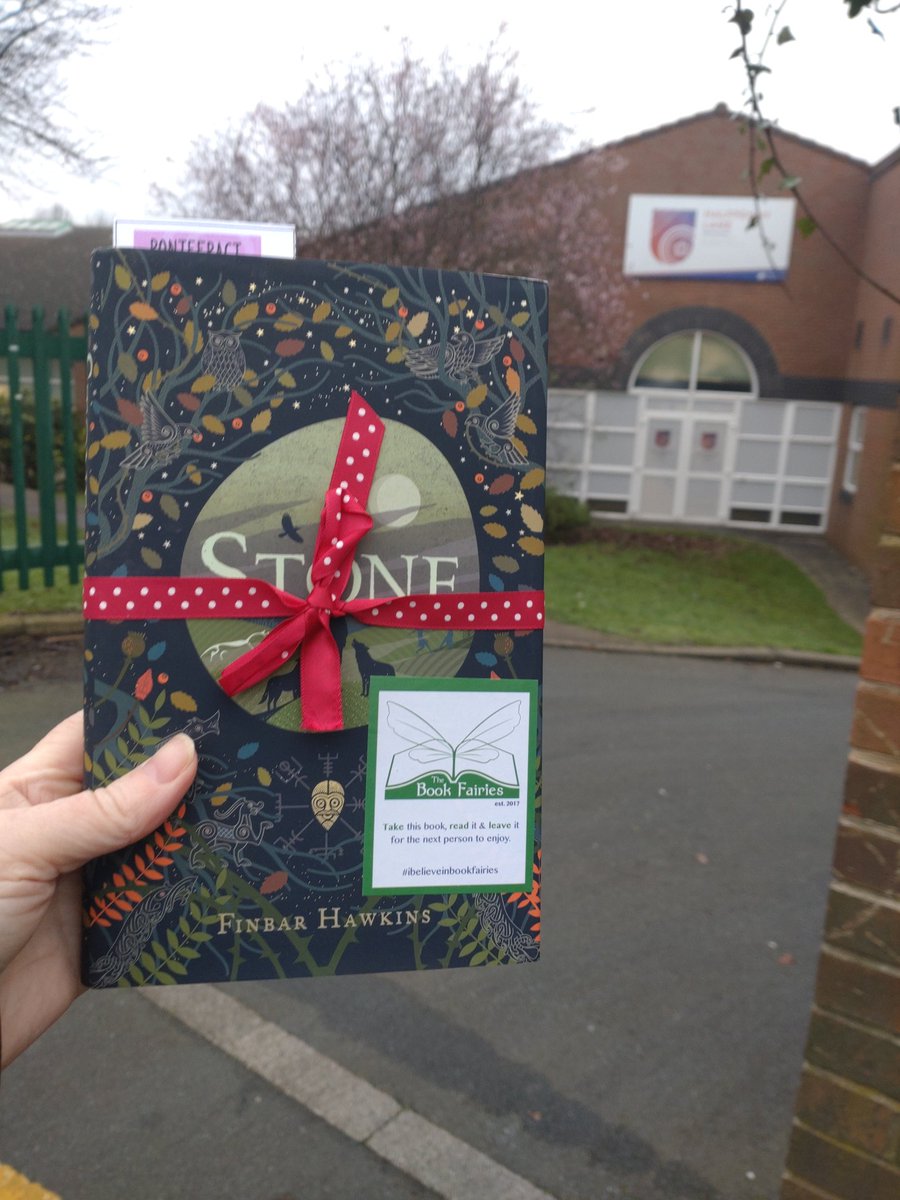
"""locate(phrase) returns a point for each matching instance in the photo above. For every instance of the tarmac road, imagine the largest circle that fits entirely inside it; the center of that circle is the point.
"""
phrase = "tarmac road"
(654, 1052)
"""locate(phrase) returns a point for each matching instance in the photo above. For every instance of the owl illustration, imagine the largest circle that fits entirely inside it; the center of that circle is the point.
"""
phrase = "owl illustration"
(224, 358)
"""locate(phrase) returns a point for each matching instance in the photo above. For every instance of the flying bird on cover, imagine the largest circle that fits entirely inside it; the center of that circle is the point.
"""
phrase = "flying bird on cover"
(460, 357)
(161, 437)
(490, 434)
(289, 529)
(224, 358)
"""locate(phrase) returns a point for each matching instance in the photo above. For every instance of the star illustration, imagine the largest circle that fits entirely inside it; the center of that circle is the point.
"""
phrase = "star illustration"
(520, 495)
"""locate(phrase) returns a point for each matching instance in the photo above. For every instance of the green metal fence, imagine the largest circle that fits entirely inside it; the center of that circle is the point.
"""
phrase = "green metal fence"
(40, 433)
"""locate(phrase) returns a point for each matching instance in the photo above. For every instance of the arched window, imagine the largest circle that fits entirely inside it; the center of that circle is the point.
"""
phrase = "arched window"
(695, 361)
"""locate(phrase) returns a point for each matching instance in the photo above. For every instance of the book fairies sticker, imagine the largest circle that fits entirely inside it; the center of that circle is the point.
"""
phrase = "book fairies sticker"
(450, 792)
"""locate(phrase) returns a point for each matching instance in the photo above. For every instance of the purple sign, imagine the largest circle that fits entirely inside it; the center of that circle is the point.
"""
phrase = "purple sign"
(197, 241)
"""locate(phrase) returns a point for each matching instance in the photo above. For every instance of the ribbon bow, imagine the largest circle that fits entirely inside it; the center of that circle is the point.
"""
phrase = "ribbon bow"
(307, 620)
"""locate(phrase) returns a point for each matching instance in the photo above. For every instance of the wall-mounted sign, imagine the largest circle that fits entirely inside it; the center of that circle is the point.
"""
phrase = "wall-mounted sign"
(709, 237)
(207, 237)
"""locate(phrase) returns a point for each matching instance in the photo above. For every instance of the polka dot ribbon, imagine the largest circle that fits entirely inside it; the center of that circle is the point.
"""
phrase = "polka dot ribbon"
(344, 523)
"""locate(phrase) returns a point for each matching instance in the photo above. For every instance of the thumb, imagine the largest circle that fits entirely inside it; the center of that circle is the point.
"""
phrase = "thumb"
(65, 833)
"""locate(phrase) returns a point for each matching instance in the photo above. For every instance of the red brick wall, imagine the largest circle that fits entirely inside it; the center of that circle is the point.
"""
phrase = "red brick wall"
(855, 521)
(845, 1141)
(809, 323)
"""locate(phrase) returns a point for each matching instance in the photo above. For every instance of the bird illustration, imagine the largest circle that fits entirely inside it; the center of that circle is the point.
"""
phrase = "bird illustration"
(224, 358)
(490, 435)
(289, 529)
(460, 357)
(161, 437)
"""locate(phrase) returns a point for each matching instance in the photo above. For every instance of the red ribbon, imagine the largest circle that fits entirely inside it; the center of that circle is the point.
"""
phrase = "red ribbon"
(343, 524)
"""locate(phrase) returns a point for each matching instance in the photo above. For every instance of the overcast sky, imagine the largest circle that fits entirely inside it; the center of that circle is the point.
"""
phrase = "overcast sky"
(174, 70)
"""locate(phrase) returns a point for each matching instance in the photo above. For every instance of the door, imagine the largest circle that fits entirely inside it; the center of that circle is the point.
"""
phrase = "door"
(684, 464)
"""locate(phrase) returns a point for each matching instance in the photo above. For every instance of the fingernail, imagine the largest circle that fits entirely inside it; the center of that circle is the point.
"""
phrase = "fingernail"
(171, 759)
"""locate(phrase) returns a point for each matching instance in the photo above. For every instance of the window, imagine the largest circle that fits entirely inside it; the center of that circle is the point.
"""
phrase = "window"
(855, 439)
(695, 360)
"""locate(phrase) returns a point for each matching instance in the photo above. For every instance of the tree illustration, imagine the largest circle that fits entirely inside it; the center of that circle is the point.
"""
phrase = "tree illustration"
(36, 38)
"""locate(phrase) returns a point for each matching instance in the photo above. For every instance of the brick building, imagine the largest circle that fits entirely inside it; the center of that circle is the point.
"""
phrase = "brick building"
(725, 401)
(734, 401)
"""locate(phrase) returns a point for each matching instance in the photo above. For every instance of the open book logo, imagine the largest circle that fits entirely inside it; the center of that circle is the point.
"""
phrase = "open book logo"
(435, 767)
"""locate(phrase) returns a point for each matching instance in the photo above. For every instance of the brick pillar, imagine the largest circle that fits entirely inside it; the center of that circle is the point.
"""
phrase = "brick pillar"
(845, 1141)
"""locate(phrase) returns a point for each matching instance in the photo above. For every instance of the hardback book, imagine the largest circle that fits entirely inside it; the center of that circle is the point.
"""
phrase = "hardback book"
(314, 538)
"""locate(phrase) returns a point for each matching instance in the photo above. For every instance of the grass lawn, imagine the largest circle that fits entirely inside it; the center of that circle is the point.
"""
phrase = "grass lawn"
(647, 585)
(706, 590)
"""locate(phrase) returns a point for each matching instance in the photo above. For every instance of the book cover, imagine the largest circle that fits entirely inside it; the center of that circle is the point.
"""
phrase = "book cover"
(314, 542)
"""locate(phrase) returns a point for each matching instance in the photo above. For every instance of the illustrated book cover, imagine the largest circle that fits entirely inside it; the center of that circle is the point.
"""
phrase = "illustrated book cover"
(314, 539)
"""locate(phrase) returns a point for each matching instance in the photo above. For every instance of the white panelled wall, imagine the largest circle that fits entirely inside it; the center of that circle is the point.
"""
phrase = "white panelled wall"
(674, 448)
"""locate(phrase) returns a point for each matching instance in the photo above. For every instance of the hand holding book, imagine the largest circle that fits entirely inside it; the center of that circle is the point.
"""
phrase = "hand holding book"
(49, 828)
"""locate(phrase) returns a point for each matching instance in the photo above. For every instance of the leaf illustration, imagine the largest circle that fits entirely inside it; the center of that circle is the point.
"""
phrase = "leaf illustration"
(143, 312)
(261, 421)
(521, 318)
(416, 324)
(390, 297)
(525, 423)
(495, 530)
(504, 563)
(159, 281)
(288, 321)
(117, 440)
(531, 479)
(532, 545)
(516, 350)
(123, 277)
(151, 558)
(170, 506)
(450, 423)
(501, 484)
(183, 702)
(325, 349)
(203, 383)
(477, 396)
(414, 729)
(229, 293)
(532, 518)
(288, 346)
(186, 400)
(129, 412)
(141, 519)
(321, 311)
(213, 424)
(513, 381)
(246, 314)
(127, 366)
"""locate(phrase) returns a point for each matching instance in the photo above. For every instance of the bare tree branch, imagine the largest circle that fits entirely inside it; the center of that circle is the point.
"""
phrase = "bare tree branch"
(754, 67)
(36, 37)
